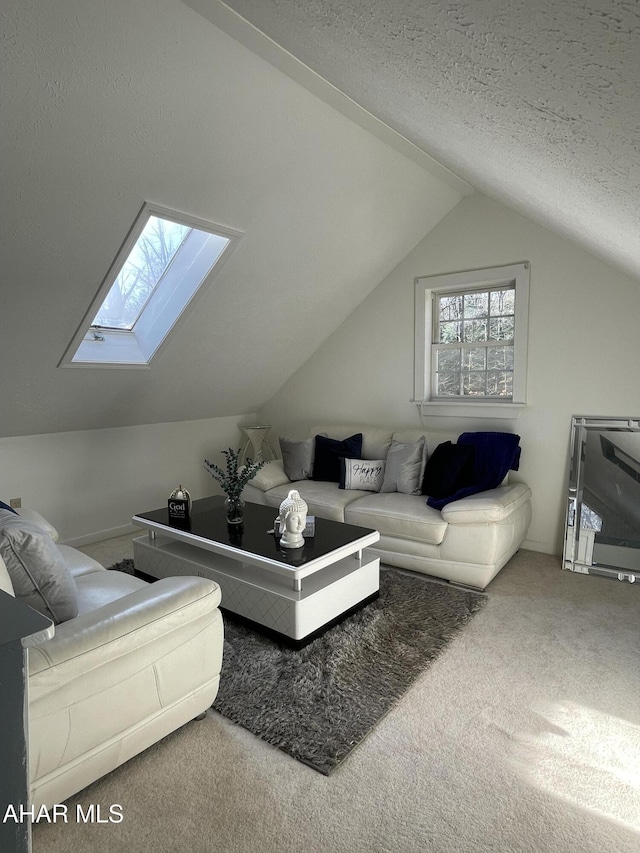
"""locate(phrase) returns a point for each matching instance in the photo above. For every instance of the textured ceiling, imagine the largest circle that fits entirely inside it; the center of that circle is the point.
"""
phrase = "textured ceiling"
(534, 102)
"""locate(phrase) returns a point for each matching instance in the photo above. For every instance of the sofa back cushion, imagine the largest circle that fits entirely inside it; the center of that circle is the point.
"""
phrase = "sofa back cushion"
(375, 441)
(432, 437)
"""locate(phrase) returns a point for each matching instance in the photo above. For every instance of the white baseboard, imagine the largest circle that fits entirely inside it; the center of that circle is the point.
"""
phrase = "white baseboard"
(99, 535)
(537, 545)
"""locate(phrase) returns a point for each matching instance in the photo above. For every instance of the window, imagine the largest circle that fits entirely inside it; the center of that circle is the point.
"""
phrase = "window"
(471, 342)
(161, 266)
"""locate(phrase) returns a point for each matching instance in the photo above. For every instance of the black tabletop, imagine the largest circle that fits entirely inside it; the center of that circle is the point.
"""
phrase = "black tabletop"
(18, 620)
(208, 520)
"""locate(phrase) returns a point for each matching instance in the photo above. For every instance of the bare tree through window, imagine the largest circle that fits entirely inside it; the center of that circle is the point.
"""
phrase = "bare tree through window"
(147, 263)
(474, 343)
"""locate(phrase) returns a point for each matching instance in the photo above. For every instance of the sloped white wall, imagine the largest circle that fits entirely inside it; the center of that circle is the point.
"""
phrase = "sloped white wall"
(583, 349)
(106, 105)
(89, 483)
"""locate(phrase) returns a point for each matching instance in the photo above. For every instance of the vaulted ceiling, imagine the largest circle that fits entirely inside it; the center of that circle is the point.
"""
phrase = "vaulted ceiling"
(536, 103)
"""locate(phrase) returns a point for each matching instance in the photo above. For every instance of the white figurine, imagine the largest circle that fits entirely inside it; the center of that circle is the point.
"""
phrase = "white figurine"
(293, 517)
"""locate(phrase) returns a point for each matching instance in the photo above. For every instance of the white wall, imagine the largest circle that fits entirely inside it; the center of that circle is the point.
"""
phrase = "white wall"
(89, 483)
(583, 349)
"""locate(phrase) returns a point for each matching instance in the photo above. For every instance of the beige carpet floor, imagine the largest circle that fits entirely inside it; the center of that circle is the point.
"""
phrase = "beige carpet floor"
(523, 737)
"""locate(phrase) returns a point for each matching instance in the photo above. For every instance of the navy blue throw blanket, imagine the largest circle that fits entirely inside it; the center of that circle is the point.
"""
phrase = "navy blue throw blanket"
(495, 454)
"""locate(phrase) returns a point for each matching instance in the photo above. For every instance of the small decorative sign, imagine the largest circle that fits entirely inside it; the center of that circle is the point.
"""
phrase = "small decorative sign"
(178, 513)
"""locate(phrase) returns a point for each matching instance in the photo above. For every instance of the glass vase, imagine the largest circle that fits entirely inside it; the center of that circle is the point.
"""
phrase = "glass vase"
(234, 505)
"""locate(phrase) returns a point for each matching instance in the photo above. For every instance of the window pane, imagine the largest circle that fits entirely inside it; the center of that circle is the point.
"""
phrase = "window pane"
(448, 384)
(152, 254)
(449, 333)
(503, 302)
(500, 358)
(473, 384)
(448, 360)
(499, 383)
(466, 351)
(476, 304)
(450, 308)
(474, 358)
(475, 330)
(501, 329)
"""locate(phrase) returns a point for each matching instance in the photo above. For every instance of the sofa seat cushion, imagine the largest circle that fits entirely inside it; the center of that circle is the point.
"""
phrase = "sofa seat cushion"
(99, 588)
(326, 500)
(490, 507)
(395, 514)
(77, 562)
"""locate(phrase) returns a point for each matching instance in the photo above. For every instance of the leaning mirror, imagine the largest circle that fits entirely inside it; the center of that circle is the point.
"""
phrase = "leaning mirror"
(602, 532)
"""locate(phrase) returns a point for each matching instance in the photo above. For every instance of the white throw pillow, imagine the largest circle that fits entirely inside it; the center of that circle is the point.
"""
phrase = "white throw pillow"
(38, 573)
(364, 474)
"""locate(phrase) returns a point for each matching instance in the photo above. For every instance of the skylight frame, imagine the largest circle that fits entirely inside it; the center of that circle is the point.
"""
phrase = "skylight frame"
(99, 347)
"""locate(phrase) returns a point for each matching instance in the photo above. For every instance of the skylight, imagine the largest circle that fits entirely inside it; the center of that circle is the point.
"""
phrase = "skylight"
(159, 269)
(147, 263)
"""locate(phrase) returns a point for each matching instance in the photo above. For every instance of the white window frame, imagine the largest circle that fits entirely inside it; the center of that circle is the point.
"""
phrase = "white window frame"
(165, 308)
(426, 289)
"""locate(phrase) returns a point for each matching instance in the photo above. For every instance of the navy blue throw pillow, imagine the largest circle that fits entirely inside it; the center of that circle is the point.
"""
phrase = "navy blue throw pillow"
(326, 462)
(449, 468)
(3, 505)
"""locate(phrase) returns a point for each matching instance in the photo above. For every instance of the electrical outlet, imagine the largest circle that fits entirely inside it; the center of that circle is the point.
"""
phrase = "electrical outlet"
(15, 503)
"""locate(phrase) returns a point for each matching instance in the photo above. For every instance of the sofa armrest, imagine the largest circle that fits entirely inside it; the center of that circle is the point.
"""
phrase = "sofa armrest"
(490, 506)
(32, 515)
(270, 476)
(122, 626)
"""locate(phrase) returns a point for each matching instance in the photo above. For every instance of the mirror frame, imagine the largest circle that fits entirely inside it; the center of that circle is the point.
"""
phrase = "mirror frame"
(575, 548)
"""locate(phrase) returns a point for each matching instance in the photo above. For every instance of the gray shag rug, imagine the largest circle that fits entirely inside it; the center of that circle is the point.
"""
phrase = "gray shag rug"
(319, 702)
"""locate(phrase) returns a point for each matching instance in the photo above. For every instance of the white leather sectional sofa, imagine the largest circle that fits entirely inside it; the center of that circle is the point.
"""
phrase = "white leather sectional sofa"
(467, 542)
(137, 662)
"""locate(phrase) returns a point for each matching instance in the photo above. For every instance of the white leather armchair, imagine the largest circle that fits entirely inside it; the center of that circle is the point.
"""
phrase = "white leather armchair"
(139, 661)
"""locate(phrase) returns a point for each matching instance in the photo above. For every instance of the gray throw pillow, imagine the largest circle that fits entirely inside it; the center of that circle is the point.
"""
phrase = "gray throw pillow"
(403, 472)
(39, 576)
(297, 458)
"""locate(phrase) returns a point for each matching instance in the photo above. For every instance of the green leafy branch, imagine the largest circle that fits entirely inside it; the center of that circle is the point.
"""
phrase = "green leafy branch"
(235, 477)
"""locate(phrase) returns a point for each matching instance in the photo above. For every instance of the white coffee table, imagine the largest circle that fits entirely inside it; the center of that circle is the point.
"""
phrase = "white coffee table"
(294, 593)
